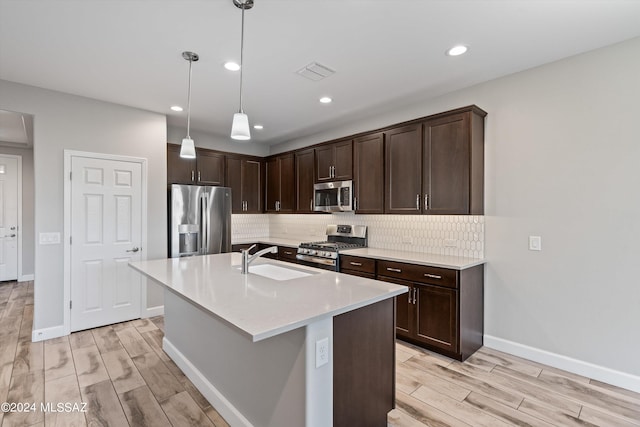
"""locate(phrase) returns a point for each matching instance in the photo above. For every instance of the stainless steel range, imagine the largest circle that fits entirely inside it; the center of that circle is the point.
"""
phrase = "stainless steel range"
(325, 254)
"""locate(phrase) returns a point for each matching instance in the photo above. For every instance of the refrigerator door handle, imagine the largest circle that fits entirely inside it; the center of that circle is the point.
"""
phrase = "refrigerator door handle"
(205, 222)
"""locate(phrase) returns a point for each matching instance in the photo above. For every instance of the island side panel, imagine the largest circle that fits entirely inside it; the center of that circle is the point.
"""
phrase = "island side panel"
(250, 383)
(364, 365)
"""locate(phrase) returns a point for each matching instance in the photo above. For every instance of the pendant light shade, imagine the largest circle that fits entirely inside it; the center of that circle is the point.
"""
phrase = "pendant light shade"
(188, 149)
(240, 127)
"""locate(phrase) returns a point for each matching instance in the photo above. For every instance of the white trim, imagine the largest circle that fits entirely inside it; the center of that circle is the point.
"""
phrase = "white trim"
(212, 394)
(153, 311)
(19, 219)
(26, 278)
(580, 367)
(48, 333)
(68, 154)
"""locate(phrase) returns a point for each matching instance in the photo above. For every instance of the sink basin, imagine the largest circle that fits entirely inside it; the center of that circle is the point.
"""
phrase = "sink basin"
(277, 272)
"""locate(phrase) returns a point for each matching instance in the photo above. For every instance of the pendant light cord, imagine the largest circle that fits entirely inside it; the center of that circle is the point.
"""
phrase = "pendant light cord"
(241, 55)
(189, 101)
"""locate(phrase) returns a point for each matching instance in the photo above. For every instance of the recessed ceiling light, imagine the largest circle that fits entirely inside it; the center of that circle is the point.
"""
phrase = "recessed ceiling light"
(232, 66)
(457, 50)
(176, 108)
(325, 100)
(258, 127)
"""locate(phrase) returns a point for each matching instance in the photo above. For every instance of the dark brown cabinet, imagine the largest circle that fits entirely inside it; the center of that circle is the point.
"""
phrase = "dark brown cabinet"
(358, 266)
(403, 169)
(334, 162)
(368, 174)
(206, 169)
(304, 180)
(244, 176)
(280, 183)
(443, 310)
(453, 176)
(437, 167)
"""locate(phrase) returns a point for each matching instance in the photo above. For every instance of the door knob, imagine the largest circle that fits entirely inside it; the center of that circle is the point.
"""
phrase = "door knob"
(12, 228)
(136, 249)
(10, 235)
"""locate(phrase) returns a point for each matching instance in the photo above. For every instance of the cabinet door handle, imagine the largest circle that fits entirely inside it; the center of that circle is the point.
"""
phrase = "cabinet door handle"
(395, 270)
(193, 175)
(426, 201)
(199, 178)
(288, 253)
(355, 203)
(311, 204)
(415, 291)
(417, 202)
(357, 264)
(432, 276)
(409, 293)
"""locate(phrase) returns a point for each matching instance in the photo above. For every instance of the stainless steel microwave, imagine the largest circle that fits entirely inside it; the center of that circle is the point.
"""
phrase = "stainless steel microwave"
(333, 196)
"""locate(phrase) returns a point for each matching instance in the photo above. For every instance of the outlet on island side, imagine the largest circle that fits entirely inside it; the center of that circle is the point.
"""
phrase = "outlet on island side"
(322, 352)
(535, 243)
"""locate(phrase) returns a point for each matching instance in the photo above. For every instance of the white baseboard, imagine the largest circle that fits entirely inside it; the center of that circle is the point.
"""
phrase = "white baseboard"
(153, 311)
(47, 333)
(26, 278)
(580, 367)
(212, 394)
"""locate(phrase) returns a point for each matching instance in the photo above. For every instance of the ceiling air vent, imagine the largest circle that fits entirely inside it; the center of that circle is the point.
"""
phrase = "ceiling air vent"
(315, 71)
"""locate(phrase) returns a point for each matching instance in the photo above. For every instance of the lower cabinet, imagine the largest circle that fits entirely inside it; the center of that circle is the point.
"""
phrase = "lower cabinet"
(358, 266)
(443, 310)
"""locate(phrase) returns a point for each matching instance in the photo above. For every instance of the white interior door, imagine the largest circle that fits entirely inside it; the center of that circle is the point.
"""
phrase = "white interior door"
(106, 230)
(8, 218)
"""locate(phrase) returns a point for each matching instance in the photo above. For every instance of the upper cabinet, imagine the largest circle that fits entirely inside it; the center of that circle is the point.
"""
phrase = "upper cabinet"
(334, 162)
(453, 176)
(304, 180)
(206, 169)
(403, 169)
(280, 184)
(437, 167)
(244, 176)
(368, 174)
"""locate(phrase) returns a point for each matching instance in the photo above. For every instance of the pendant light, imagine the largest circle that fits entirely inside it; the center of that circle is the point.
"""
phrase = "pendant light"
(188, 149)
(240, 126)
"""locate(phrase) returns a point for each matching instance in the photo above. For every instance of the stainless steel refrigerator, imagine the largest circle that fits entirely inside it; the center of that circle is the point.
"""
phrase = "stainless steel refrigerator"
(199, 220)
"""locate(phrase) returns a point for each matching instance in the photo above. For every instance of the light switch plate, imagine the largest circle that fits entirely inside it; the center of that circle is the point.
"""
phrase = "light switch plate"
(49, 238)
(535, 243)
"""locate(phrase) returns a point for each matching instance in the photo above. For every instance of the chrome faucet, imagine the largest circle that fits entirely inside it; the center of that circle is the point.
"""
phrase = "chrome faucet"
(248, 259)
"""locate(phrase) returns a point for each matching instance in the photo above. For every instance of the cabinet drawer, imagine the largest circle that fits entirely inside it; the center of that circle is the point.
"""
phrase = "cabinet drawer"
(359, 274)
(418, 273)
(365, 265)
(286, 253)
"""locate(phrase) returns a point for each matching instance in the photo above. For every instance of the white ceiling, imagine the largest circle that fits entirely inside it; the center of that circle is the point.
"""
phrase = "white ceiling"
(385, 52)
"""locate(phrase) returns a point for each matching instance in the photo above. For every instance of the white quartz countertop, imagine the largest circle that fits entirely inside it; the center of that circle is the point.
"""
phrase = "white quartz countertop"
(432, 260)
(259, 306)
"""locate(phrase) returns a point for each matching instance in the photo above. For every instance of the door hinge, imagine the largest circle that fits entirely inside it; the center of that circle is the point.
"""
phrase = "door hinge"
(70, 304)
(70, 240)
(70, 175)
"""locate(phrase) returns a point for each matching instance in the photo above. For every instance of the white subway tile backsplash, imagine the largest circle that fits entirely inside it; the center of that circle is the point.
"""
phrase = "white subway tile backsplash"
(457, 235)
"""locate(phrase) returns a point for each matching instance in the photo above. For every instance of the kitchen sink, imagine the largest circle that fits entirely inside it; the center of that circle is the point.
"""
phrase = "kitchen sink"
(277, 272)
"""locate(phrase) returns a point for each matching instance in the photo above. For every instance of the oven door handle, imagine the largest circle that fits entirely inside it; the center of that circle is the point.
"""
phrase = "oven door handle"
(317, 260)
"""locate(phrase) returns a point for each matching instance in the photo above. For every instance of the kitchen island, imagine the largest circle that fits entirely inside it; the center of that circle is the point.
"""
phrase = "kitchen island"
(314, 349)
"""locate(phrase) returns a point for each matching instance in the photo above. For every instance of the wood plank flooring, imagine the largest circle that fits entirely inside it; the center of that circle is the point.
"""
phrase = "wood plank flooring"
(496, 389)
(120, 371)
(125, 378)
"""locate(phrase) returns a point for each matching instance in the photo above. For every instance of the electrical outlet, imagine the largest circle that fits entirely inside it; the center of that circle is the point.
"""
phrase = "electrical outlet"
(49, 238)
(535, 243)
(450, 243)
(322, 352)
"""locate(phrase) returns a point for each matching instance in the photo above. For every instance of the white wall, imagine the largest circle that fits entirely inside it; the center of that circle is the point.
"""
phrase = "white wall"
(215, 142)
(562, 158)
(27, 207)
(63, 121)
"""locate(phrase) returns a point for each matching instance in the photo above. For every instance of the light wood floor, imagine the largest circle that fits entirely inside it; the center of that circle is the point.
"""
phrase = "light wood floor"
(125, 378)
